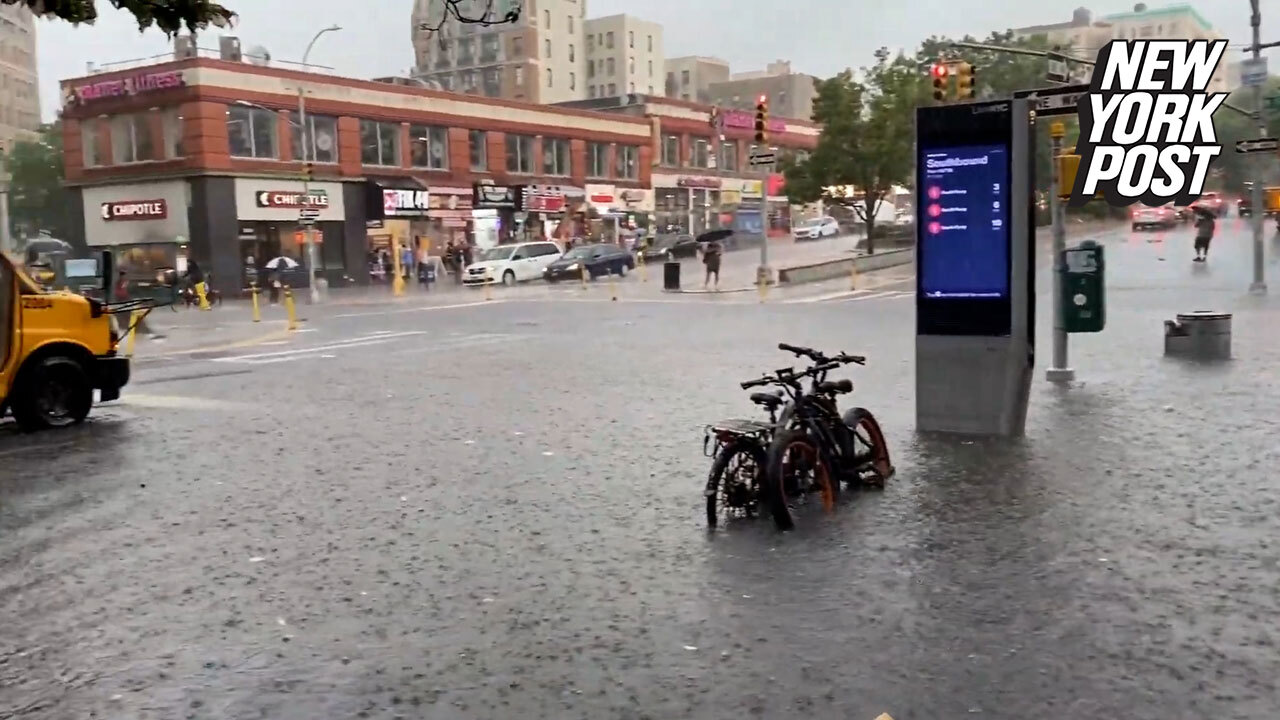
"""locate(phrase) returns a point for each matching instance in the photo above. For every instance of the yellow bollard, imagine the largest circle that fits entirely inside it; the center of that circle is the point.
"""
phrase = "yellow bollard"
(397, 285)
(290, 309)
(257, 311)
(202, 293)
(613, 288)
(640, 266)
(584, 276)
(135, 318)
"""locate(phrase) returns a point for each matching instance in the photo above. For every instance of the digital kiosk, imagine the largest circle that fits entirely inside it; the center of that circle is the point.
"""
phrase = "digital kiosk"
(975, 279)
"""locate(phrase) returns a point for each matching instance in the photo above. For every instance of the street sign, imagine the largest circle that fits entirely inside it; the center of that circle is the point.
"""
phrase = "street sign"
(308, 213)
(1258, 145)
(1055, 100)
(1057, 72)
(762, 159)
(1273, 102)
(1253, 72)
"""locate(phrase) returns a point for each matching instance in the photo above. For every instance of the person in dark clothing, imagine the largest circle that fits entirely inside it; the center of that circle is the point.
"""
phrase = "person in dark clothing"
(1205, 226)
(467, 255)
(711, 258)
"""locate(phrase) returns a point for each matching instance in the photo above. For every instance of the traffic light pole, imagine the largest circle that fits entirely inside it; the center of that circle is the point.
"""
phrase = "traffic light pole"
(1060, 371)
(1259, 284)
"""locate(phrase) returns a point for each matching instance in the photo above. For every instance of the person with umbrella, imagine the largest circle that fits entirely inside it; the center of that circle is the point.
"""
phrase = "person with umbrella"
(1205, 226)
(711, 253)
(274, 266)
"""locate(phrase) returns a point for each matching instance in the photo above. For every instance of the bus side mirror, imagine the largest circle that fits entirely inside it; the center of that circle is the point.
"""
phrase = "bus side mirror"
(108, 267)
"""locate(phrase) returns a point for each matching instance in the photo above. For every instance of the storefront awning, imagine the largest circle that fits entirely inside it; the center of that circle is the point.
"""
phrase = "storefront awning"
(392, 197)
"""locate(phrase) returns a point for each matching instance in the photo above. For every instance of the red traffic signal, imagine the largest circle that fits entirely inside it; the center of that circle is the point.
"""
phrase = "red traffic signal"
(939, 70)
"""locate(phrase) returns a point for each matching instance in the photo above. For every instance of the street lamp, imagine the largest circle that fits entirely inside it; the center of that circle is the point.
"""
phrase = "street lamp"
(306, 176)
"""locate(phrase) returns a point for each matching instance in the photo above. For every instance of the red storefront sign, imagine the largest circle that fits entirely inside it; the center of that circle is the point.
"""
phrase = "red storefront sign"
(135, 210)
(544, 203)
(777, 185)
(688, 182)
(133, 85)
(747, 120)
(600, 199)
(281, 199)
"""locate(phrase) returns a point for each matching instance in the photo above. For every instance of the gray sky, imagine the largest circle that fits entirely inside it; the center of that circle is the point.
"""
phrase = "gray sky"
(820, 37)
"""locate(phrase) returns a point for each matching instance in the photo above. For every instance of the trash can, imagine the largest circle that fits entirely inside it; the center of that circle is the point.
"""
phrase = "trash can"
(670, 276)
(1203, 334)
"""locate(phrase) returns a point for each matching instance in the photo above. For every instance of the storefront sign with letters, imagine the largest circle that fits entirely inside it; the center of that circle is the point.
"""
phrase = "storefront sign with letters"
(405, 202)
(135, 210)
(281, 199)
(132, 85)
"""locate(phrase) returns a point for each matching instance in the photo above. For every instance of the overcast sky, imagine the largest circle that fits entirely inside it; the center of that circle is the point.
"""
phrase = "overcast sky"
(820, 37)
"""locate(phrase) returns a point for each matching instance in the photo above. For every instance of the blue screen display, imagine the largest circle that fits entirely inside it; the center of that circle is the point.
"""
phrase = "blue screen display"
(962, 217)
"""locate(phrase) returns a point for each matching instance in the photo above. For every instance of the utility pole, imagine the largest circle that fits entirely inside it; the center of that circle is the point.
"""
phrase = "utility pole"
(1259, 284)
(1060, 371)
(6, 242)
(306, 139)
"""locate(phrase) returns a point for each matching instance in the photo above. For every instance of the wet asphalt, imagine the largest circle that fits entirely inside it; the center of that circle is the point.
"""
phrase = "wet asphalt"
(495, 511)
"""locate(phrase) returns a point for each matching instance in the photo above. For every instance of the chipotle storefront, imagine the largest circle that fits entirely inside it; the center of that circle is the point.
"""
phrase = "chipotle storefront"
(145, 224)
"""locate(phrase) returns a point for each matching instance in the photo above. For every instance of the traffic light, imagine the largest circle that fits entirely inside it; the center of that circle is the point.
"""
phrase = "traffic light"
(939, 71)
(762, 119)
(966, 78)
(309, 171)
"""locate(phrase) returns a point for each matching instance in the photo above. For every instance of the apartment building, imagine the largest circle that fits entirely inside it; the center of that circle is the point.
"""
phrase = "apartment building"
(790, 93)
(19, 86)
(540, 59)
(690, 77)
(624, 55)
(1085, 35)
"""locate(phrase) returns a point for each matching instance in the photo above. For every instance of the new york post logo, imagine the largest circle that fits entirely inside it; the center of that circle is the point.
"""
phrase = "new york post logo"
(1146, 125)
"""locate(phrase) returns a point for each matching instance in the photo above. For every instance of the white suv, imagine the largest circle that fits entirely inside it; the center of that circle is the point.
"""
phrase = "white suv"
(817, 228)
(510, 264)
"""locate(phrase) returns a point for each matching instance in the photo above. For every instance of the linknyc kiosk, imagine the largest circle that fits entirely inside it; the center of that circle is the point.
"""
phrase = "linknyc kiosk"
(975, 255)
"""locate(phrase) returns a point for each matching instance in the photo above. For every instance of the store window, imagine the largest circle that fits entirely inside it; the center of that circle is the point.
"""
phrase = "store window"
(729, 156)
(251, 132)
(89, 144)
(131, 139)
(144, 260)
(429, 147)
(671, 150)
(597, 160)
(171, 126)
(379, 143)
(519, 154)
(322, 136)
(478, 142)
(555, 156)
(627, 163)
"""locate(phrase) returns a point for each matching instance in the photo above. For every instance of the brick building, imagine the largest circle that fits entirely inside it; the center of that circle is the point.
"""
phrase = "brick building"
(201, 158)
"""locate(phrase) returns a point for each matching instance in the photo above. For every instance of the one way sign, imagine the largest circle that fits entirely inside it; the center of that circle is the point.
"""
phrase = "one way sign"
(1258, 145)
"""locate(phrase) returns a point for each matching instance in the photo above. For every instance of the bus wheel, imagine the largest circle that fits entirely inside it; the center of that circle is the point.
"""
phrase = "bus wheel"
(56, 393)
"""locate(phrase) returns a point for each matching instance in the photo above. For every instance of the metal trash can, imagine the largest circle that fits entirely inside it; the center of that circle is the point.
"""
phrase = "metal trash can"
(1203, 334)
(670, 276)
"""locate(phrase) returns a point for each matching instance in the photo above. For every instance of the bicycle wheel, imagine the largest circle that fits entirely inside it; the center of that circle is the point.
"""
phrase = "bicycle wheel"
(797, 467)
(870, 450)
(733, 486)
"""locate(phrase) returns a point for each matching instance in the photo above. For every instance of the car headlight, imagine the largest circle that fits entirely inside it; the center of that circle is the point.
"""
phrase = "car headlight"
(573, 267)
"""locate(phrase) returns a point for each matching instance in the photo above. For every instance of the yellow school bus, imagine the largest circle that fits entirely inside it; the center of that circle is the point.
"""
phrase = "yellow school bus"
(56, 349)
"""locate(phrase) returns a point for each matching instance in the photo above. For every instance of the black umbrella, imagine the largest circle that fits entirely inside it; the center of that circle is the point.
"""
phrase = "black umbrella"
(714, 235)
(42, 245)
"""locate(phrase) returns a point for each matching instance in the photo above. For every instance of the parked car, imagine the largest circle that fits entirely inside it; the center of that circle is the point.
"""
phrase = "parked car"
(1211, 202)
(597, 260)
(671, 247)
(816, 228)
(1164, 217)
(510, 264)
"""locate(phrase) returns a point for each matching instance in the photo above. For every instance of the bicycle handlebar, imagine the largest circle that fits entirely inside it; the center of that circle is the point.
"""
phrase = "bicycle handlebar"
(818, 357)
(788, 376)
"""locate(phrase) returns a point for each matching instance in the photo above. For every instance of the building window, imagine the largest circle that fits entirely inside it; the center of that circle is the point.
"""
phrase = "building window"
(466, 51)
(597, 160)
(546, 48)
(131, 139)
(698, 153)
(548, 77)
(684, 77)
(251, 132)
(609, 66)
(573, 81)
(591, 44)
(631, 65)
(489, 45)
(729, 156)
(671, 150)
(571, 53)
(631, 87)
(322, 131)
(519, 76)
(627, 165)
(89, 143)
(379, 143)
(650, 68)
(608, 40)
(520, 154)
(477, 141)
(428, 147)
(517, 46)
(591, 91)
(546, 19)
(591, 69)
(650, 89)
(631, 39)
(613, 89)
(555, 156)
(651, 45)
(171, 126)
(570, 24)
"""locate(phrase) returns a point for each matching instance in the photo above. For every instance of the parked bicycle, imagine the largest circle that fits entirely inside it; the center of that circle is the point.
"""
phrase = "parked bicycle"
(739, 456)
(820, 448)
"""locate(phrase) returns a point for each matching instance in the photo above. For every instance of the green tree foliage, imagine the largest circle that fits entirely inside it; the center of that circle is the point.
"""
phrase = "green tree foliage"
(1233, 169)
(170, 16)
(37, 199)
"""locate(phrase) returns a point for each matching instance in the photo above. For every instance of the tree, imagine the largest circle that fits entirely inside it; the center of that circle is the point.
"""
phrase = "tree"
(37, 199)
(867, 143)
(170, 16)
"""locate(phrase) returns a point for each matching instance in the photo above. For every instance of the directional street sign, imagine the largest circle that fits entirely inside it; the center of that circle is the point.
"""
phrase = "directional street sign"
(1253, 72)
(1273, 102)
(1058, 71)
(763, 159)
(1258, 145)
(1059, 100)
(308, 213)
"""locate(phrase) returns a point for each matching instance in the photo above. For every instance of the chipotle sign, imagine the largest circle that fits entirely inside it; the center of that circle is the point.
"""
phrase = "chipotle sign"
(135, 210)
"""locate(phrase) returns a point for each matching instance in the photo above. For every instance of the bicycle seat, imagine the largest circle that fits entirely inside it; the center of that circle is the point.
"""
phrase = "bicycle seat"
(836, 387)
(767, 400)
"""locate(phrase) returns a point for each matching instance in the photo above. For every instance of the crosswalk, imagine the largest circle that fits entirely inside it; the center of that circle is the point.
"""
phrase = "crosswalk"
(392, 343)
(854, 296)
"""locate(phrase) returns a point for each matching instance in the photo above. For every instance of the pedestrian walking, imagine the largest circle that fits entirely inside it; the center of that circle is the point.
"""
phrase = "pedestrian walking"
(406, 261)
(1205, 226)
(711, 258)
